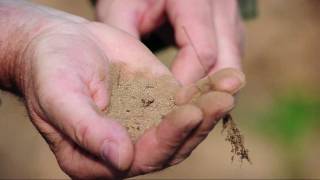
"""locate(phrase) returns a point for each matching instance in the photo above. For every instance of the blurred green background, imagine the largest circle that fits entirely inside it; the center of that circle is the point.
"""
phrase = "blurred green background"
(278, 111)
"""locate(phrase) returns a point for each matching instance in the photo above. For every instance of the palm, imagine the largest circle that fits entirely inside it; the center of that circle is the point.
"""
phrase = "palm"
(72, 64)
(68, 88)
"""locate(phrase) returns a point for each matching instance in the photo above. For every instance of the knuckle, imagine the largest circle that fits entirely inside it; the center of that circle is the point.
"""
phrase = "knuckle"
(167, 145)
(171, 144)
(72, 170)
(81, 132)
(180, 158)
(53, 140)
(66, 167)
(202, 134)
(67, 164)
(208, 56)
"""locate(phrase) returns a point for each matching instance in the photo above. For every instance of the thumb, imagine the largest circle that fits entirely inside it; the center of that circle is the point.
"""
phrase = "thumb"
(75, 114)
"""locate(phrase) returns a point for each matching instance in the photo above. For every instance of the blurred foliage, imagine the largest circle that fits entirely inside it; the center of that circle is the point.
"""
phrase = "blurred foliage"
(248, 9)
(290, 118)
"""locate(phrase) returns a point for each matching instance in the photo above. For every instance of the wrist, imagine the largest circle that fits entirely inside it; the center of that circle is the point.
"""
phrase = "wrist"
(20, 23)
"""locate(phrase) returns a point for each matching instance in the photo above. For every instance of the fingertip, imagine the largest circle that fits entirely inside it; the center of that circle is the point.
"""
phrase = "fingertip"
(215, 104)
(228, 80)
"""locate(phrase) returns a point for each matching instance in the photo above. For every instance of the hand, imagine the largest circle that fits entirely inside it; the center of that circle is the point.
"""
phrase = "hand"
(65, 85)
(214, 27)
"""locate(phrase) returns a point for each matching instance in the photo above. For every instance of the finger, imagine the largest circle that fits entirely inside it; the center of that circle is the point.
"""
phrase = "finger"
(124, 14)
(72, 160)
(153, 17)
(157, 145)
(122, 48)
(229, 29)
(73, 112)
(195, 37)
(79, 164)
(214, 105)
(226, 80)
(135, 17)
(186, 94)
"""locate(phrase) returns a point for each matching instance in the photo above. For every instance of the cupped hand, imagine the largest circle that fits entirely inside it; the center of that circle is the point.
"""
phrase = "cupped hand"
(208, 33)
(66, 87)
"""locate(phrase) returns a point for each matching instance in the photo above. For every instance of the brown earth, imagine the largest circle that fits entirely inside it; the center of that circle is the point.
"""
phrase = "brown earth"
(139, 102)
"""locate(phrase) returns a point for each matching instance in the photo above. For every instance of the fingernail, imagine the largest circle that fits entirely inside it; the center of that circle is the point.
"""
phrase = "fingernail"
(229, 80)
(231, 84)
(110, 153)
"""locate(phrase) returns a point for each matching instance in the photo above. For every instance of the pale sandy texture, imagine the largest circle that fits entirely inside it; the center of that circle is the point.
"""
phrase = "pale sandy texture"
(138, 102)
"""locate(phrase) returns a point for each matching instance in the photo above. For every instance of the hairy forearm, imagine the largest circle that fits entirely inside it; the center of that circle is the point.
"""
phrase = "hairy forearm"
(20, 23)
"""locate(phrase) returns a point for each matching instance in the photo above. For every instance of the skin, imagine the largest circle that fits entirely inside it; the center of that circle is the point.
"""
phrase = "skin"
(59, 64)
(214, 28)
